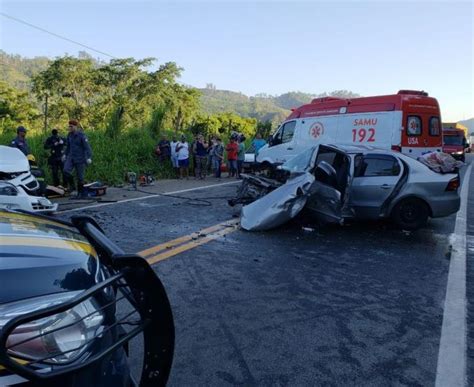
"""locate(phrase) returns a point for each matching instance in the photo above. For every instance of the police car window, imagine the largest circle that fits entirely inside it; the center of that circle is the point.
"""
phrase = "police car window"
(378, 166)
(434, 126)
(413, 125)
(288, 131)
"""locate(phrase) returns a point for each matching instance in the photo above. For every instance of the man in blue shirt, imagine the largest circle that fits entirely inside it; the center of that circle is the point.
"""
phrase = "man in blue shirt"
(20, 141)
(258, 142)
(78, 155)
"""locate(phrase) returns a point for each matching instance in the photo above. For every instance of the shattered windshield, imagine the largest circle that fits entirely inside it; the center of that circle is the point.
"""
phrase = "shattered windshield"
(300, 162)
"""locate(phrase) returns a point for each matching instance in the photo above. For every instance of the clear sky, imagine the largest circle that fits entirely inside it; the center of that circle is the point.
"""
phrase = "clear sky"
(270, 46)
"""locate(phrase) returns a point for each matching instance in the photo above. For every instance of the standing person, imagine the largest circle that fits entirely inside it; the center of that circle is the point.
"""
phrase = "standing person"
(174, 156)
(20, 141)
(210, 152)
(258, 142)
(165, 149)
(193, 155)
(232, 149)
(78, 155)
(55, 144)
(218, 157)
(240, 155)
(201, 157)
(183, 157)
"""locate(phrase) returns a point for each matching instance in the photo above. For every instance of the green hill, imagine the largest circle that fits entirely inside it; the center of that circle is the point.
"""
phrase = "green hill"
(263, 107)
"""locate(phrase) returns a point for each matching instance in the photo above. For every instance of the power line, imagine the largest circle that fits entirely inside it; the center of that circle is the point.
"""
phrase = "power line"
(56, 35)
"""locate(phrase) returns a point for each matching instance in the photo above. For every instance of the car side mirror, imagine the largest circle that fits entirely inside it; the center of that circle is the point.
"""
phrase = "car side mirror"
(270, 141)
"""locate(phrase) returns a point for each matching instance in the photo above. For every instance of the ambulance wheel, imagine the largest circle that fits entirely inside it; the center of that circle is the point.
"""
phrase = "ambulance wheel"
(411, 214)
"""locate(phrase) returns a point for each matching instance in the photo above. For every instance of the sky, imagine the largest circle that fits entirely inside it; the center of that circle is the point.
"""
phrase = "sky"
(368, 47)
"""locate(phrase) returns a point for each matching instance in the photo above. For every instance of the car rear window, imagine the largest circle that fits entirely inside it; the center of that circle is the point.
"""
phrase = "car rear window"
(377, 165)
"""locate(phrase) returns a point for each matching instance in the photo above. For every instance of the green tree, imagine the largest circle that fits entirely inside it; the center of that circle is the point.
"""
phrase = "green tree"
(15, 108)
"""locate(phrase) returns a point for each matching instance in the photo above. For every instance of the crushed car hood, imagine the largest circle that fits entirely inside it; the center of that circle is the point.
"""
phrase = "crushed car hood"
(12, 160)
(278, 206)
(39, 256)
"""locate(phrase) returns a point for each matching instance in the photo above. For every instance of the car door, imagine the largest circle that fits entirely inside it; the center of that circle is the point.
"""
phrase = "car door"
(327, 195)
(375, 178)
(282, 143)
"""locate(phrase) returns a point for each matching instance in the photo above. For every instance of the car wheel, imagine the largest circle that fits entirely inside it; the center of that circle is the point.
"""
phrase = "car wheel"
(411, 214)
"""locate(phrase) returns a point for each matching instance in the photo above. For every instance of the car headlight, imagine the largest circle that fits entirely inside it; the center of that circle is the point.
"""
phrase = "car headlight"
(458, 153)
(7, 189)
(56, 339)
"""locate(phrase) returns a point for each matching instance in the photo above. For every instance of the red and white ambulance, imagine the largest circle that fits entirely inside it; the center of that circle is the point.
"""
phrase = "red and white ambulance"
(409, 121)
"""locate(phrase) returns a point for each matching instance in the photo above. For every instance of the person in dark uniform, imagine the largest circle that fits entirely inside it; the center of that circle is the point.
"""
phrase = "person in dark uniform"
(20, 141)
(55, 144)
(78, 155)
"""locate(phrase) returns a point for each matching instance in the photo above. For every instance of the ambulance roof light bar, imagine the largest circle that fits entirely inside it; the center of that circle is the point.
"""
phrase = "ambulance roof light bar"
(414, 92)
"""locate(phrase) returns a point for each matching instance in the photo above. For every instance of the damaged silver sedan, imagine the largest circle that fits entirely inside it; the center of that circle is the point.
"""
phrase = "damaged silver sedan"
(336, 183)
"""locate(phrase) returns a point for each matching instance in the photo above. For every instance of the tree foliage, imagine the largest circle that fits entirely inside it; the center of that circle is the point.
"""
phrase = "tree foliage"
(15, 108)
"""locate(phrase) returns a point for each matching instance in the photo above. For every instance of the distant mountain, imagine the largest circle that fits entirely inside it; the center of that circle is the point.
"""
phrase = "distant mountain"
(264, 107)
(469, 123)
(17, 71)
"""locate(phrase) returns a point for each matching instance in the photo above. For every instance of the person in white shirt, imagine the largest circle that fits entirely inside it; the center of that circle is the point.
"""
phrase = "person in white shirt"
(174, 156)
(182, 149)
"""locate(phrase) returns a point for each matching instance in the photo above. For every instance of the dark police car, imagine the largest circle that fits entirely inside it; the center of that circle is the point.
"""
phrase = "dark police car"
(71, 300)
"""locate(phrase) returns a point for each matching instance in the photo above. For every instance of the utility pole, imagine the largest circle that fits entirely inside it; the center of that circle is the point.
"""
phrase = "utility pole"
(45, 113)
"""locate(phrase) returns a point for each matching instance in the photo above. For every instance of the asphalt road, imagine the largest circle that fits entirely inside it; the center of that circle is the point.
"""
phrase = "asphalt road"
(305, 304)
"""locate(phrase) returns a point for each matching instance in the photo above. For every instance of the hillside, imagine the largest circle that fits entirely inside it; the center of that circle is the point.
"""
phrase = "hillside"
(17, 71)
(262, 106)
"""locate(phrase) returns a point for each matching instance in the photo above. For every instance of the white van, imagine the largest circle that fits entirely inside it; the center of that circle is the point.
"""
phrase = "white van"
(408, 122)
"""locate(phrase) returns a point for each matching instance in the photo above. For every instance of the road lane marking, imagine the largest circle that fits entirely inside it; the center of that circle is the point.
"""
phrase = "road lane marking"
(146, 197)
(187, 238)
(451, 368)
(226, 229)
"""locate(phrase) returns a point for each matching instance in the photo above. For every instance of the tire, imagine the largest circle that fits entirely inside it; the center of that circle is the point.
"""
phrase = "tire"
(411, 214)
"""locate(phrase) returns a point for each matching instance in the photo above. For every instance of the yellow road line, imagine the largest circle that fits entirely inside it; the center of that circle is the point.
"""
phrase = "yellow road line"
(186, 238)
(193, 243)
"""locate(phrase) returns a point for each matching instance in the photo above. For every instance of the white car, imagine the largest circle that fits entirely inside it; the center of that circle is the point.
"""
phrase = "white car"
(18, 187)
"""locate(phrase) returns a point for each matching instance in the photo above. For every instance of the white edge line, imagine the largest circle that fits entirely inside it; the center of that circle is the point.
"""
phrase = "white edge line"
(145, 197)
(451, 367)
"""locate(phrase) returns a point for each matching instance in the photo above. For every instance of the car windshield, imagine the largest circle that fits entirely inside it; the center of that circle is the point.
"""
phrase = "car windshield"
(452, 140)
(300, 162)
